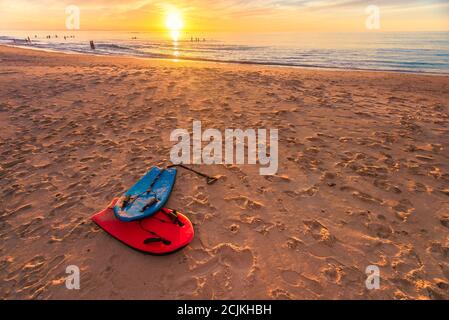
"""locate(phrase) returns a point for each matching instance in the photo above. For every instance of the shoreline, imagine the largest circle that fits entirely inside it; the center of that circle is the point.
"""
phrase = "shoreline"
(249, 63)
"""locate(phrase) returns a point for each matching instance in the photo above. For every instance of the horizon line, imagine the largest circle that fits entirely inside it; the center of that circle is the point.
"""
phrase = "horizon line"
(224, 31)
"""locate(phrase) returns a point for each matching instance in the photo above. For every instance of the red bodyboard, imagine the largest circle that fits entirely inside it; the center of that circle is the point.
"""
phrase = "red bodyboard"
(142, 235)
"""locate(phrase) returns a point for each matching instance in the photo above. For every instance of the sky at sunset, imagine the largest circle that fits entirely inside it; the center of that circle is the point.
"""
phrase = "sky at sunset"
(227, 15)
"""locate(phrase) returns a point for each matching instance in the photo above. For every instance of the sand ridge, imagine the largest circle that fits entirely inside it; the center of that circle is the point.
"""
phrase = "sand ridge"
(363, 179)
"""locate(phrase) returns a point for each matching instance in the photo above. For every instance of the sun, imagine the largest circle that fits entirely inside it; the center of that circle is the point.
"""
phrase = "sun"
(174, 23)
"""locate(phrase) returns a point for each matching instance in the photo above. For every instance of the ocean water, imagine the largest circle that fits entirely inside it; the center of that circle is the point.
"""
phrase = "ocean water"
(405, 52)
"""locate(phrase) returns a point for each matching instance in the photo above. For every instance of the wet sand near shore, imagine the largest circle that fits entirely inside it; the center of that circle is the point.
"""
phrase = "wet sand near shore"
(363, 179)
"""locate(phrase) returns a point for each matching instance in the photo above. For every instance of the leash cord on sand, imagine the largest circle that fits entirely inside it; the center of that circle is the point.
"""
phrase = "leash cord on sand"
(210, 180)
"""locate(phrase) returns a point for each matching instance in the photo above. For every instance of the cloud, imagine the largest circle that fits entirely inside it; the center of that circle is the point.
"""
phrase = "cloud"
(213, 12)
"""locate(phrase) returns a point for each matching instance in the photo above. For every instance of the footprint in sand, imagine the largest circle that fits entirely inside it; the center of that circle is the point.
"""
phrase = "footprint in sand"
(291, 277)
(27, 230)
(319, 232)
(386, 186)
(245, 203)
(31, 280)
(404, 209)
(362, 196)
(257, 224)
(291, 194)
(230, 266)
(332, 273)
(424, 158)
(280, 294)
(282, 178)
(199, 203)
(293, 243)
(439, 250)
(414, 186)
(308, 192)
(379, 230)
(445, 221)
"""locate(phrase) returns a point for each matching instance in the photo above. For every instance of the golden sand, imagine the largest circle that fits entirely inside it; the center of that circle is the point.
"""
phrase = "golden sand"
(363, 179)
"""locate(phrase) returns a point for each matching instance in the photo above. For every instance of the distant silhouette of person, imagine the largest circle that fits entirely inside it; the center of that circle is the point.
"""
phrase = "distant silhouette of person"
(92, 45)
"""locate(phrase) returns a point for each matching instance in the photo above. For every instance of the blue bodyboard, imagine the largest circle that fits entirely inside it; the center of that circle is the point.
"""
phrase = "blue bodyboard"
(147, 196)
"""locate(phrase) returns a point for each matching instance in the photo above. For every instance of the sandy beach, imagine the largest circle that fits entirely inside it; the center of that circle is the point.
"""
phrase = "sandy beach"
(363, 179)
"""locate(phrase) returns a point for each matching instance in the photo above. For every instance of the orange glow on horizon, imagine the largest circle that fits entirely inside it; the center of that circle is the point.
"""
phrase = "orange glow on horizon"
(179, 16)
(174, 23)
